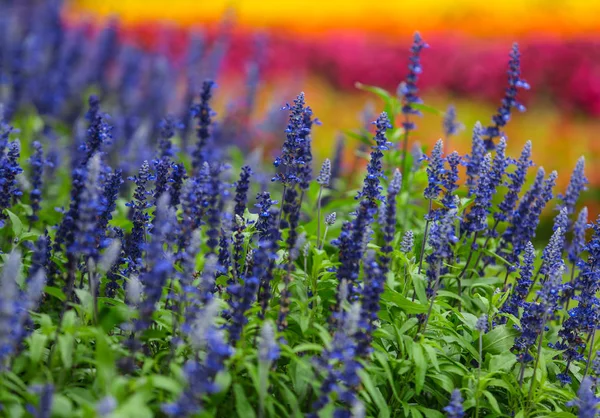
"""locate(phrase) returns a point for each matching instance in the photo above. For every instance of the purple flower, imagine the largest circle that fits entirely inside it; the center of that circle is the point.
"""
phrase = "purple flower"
(522, 286)
(450, 124)
(435, 171)
(455, 408)
(577, 184)
(389, 219)
(578, 242)
(409, 90)
(241, 191)
(450, 179)
(586, 401)
(517, 179)
(473, 161)
(509, 101)
(204, 114)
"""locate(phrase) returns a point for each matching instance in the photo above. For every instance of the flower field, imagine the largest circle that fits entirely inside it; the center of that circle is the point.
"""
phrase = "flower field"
(162, 258)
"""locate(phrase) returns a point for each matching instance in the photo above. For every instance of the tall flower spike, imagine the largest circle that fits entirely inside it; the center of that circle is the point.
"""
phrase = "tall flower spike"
(435, 170)
(552, 255)
(86, 236)
(578, 241)
(409, 90)
(389, 219)
(473, 161)
(203, 113)
(374, 278)
(499, 164)
(9, 304)
(517, 179)
(476, 218)
(9, 169)
(325, 173)
(509, 101)
(583, 318)
(455, 408)
(450, 124)
(450, 179)
(37, 163)
(586, 402)
(407, 243)
(522, 286)
(241, 191)
(577, 184)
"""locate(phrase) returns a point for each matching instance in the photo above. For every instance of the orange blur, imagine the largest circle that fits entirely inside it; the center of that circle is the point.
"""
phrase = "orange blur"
(509, 18)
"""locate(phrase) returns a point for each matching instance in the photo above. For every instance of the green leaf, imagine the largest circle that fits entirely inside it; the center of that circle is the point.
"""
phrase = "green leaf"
(307, 347)
(242, 405)
(66, 345)
(420, 366)
(493, 402)
(427, 109)
(17, 225)
(55, 292)
(402, 302)
(499, 340)
(166, 383)
(375, 394)
(37, 344)
(61, 406)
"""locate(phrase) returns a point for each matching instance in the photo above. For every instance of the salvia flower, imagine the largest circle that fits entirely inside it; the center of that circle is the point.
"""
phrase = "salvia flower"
(441, 238)
(552, 254)
(450, 179)
(139, 215)
(473, 161)
(509, 101)
(268, 348)
(522, 286)
(9, 170)
(417, 157)
(325, 173)
(450, 124)
(90, 208)
(583, 318)
(455, 408)
(264, 203)
(389, 218)
(476, 218)
(577, 184)
(331, 218)
(9, 304)
(535, 316)
(435, 171)
(374, 281)
(517, 231)
(204, 114)
(37, 163)
(409, 90)
(241, 191)
(517, 179)
(482, 323)
(578, 242)
(110, 194)
(407, 243)
(586, 402)
(159, 267)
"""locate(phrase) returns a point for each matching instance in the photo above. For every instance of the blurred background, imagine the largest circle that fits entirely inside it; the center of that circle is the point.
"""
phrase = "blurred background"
(279, 48)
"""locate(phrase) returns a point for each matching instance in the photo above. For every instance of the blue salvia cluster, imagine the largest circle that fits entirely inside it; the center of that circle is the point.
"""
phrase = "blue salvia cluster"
(187, 249)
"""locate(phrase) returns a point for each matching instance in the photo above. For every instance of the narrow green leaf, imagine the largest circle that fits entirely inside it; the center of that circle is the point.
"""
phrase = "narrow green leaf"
(375, 394)
(242, 405)
(420, 366)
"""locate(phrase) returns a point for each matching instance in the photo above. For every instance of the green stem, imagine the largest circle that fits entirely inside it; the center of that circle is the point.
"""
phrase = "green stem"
(425, 237)
(319, 216)
(479, 374)
(589, 357)
(324, 236)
